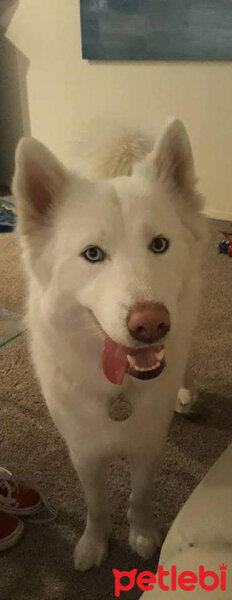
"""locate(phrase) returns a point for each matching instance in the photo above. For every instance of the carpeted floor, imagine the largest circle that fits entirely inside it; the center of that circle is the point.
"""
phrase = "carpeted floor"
(41, 566)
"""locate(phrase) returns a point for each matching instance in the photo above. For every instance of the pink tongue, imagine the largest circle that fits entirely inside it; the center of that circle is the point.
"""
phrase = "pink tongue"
(115, 363)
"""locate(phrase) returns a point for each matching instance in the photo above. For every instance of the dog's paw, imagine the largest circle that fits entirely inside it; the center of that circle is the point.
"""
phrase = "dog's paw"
(145, 544)
(89, 552)
(186, 402)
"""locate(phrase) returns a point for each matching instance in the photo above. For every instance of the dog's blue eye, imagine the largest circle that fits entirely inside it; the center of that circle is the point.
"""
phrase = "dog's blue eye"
(94, 254)
(159, 244)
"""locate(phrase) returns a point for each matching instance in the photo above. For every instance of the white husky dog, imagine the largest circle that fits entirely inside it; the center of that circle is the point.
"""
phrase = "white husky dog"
(113, 271)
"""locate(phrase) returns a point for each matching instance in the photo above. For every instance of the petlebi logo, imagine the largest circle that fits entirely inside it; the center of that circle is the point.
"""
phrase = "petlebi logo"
(170, 580)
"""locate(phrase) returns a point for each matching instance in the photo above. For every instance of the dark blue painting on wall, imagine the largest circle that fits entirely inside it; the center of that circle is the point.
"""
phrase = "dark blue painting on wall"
(156, 29)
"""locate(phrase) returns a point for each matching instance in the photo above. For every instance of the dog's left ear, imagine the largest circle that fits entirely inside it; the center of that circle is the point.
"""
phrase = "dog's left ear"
(173, 158)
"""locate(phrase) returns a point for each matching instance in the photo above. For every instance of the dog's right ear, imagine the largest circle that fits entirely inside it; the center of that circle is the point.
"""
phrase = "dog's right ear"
(173, 157)
(38, 185)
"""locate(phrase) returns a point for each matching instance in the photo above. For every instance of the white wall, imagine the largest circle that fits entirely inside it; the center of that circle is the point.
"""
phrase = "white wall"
(66, 92)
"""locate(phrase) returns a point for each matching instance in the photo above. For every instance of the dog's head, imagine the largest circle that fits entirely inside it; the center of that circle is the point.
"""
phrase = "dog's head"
(122, 249)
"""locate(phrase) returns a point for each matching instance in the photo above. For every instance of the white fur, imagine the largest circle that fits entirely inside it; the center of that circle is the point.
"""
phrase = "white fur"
(72, 303)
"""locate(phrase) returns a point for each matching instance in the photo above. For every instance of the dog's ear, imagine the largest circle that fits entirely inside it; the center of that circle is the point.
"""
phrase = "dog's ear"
(38, 184)
(173, 157)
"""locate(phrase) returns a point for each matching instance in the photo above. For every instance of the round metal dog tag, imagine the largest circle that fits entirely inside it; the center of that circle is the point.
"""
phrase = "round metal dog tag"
(120, 408)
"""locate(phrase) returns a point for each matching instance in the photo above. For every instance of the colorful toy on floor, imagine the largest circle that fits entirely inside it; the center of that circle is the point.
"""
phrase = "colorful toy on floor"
(7, 216)
(225, 246)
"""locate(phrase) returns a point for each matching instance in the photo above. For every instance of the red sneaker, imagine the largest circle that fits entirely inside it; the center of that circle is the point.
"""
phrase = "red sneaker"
(11, 530)
(17, 498)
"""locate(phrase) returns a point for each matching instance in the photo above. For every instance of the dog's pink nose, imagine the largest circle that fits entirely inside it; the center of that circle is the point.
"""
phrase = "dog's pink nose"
(149, 322)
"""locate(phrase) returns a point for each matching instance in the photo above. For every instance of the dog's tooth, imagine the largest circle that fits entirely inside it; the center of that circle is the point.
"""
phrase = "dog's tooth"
(157, 365)
(146, 369)
(160, 355)
(131, 360)
(133, 365)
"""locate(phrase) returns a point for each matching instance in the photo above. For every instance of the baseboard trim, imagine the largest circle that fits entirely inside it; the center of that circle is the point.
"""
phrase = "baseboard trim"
(217, 214)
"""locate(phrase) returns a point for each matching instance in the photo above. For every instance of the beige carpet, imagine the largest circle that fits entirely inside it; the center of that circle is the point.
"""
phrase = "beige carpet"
(41, 567)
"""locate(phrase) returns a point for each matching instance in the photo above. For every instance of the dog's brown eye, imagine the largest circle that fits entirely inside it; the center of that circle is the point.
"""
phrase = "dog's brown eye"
(159, 244)
(94, 254)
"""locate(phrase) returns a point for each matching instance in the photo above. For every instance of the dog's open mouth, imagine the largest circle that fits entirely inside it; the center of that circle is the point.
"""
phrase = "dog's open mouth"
(144, 363)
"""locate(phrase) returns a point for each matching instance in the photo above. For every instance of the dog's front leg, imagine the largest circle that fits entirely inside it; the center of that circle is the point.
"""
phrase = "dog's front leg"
(91, 549)
(144, 535)
(187, 401)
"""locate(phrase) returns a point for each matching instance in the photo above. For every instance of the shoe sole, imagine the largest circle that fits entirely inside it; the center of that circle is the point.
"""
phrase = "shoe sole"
(13, 538)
